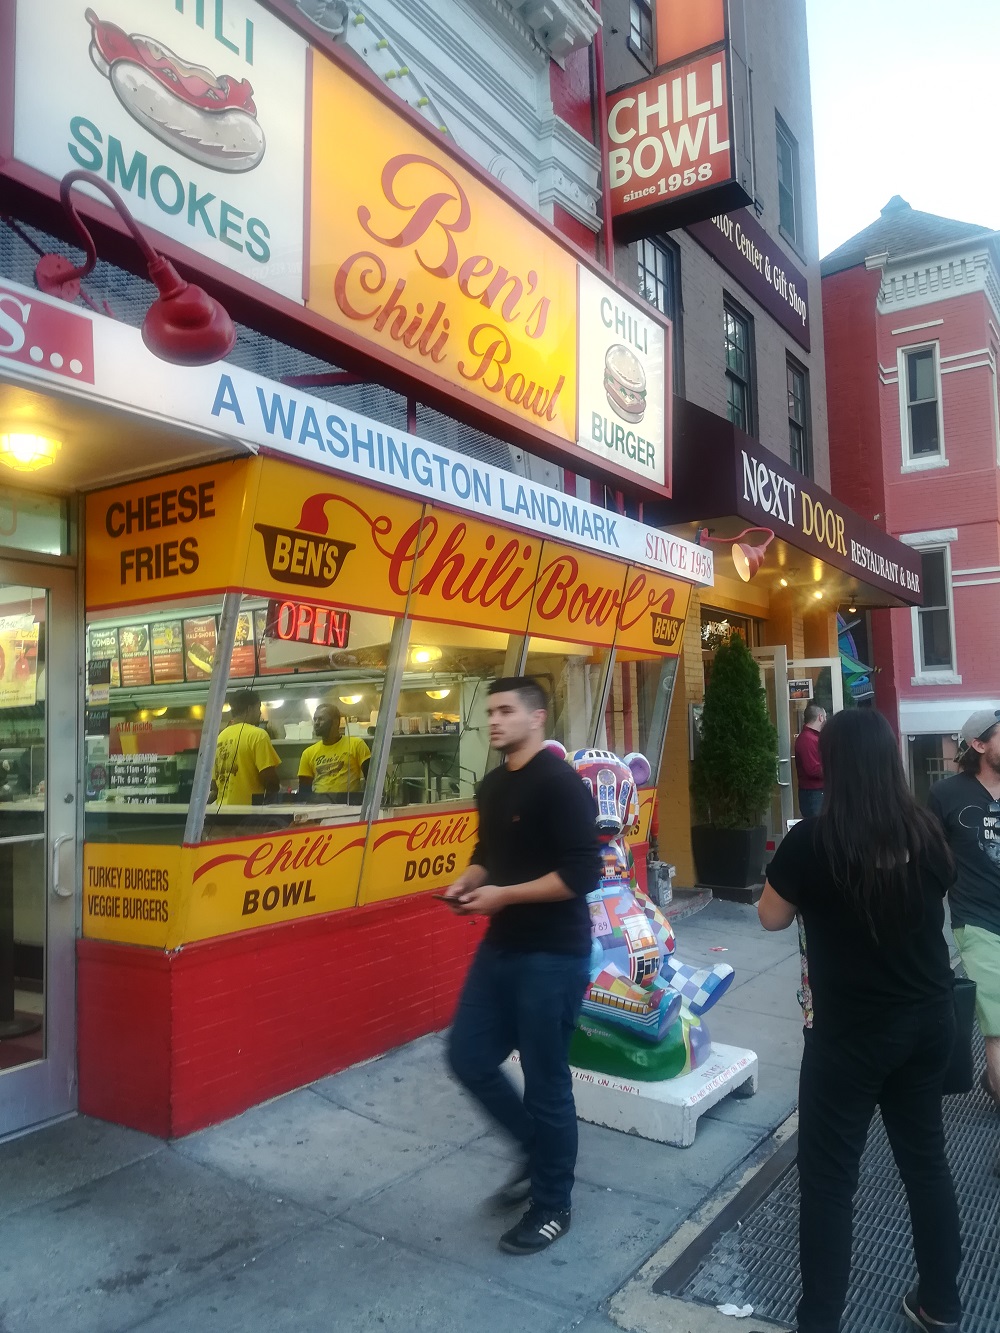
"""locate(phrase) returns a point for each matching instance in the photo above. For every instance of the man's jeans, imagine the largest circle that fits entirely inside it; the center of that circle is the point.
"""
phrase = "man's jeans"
(810, 802)
(528, 1002)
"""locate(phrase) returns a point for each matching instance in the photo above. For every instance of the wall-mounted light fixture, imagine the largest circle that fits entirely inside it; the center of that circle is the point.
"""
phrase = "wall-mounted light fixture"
(183, 325)
(747, 559)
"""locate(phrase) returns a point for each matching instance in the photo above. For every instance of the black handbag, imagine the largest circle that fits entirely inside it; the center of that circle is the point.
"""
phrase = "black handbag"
(960, 1075)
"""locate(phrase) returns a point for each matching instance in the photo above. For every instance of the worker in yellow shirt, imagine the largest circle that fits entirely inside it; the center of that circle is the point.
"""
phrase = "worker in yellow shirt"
(334, 765)
(246, 763)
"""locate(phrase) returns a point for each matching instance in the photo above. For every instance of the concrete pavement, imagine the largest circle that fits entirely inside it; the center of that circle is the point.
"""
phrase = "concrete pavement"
(354, 1204)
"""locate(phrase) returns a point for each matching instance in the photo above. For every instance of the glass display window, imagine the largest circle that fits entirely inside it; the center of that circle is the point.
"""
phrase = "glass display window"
(638, 705)
(440, 746)
(573, 676)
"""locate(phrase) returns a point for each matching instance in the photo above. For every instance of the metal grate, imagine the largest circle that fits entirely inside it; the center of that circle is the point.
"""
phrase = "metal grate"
(757, 1262)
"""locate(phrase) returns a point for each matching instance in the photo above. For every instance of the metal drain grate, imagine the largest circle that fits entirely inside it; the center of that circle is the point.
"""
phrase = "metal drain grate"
(757, 1262)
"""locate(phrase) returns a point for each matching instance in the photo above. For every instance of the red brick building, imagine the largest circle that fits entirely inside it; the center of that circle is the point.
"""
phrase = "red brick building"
(911, 315)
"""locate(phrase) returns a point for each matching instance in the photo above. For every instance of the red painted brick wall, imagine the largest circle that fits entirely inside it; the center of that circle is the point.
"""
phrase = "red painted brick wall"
(853, 410)
(170, 1043)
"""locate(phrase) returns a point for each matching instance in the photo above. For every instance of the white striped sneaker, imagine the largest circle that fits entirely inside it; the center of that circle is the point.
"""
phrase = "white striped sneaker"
(537, 1229)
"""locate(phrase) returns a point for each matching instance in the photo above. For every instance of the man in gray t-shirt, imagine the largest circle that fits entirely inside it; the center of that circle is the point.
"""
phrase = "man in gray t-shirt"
(968, 805)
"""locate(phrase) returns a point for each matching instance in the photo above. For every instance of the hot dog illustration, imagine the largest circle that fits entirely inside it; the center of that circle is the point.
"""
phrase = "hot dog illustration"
(211, 120)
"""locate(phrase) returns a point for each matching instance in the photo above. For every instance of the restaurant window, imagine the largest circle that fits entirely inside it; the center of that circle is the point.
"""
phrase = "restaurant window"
(640, 35)
(934, 620)
(440, 744)
(573, 676)
(799, 434)
(789, 187)
(638, 705)
(739, 367)
(658, 265)
(920, 383)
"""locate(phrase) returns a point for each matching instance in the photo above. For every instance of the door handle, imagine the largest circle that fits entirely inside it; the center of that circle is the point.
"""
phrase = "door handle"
(57, 888)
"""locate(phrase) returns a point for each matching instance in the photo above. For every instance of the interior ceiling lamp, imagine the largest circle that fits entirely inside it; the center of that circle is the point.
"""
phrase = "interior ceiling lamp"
(421, 656)
(183, 325)
(350, 698)
(28, 453)
(747, 559)
(437, 694)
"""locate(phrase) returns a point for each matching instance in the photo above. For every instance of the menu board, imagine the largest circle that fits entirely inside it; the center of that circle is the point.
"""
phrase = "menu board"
(168, 652)
(102, 645)
(133, 648)
(200, 637)
(244, 661)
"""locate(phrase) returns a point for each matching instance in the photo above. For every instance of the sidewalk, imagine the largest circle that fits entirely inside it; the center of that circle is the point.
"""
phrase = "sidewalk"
(354, 1204)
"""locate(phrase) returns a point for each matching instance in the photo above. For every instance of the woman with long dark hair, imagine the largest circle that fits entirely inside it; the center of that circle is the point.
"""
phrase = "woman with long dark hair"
(867, 879)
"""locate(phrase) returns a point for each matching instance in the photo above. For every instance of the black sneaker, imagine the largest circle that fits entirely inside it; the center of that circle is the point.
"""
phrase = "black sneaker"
(513, 1192)
(913, 1312)
(536, 1231)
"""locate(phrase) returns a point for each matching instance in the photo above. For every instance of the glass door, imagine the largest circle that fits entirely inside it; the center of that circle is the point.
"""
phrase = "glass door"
(817, 680)
(773, 664)
(38, 843)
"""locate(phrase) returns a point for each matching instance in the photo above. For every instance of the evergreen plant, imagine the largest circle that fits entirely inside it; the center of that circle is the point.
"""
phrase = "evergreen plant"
(734, 772)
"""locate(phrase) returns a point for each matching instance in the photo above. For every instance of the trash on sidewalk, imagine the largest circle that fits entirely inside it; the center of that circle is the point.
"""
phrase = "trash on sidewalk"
(738, 1311)
(719, 948)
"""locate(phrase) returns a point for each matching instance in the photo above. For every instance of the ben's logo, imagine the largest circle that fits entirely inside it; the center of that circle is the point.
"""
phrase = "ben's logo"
(666, 629)
(305, 555)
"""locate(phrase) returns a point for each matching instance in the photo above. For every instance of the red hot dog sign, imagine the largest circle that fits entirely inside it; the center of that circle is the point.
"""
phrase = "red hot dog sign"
(196, 116)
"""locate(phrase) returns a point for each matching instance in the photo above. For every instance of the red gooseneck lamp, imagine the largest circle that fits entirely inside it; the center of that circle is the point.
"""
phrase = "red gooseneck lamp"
(183, 325)
(747, 559)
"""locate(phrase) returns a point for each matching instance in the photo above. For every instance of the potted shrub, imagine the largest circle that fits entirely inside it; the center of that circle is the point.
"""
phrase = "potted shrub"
(734, 775)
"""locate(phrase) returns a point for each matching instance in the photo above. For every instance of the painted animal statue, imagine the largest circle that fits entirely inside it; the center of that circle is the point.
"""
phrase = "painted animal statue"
(642, 1011)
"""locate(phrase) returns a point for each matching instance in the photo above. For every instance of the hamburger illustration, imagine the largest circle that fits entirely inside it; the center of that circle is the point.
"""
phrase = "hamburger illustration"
(625, 383)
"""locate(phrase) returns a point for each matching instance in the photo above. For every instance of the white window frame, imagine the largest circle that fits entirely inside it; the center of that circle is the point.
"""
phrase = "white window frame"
(940, 539)
(919, 462)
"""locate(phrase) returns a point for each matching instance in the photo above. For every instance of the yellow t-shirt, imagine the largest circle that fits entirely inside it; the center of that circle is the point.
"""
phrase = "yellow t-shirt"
(335, 768)
(241, 751)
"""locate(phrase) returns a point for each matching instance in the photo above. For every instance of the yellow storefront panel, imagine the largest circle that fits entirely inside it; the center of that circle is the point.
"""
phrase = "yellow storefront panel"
(577, 596)
(169, 537)
(131, 894)
(407, 856)
(653, 612)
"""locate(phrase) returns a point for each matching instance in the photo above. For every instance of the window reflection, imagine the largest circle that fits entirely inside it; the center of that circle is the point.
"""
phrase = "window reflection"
(572, 675)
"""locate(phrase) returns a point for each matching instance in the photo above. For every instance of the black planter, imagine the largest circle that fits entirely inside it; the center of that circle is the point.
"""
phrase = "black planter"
(730, 861)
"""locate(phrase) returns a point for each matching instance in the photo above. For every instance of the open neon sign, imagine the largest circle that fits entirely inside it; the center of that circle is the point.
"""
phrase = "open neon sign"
(302, 622)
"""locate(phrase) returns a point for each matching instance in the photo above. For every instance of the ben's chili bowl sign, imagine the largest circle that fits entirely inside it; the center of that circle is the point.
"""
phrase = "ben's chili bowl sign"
(410, 251)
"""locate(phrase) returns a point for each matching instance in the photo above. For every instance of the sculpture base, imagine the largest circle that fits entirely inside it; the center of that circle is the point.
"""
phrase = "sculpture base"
(668, 1111)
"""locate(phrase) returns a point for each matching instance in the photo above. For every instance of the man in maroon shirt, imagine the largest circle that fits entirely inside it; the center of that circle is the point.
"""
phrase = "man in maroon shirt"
(807, 761)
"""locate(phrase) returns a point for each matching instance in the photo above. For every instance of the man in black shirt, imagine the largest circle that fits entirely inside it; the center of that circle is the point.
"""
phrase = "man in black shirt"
(968, 805)
(536, 860)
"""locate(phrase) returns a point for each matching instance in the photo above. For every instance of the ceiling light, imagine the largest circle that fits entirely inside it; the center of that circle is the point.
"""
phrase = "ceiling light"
(28, 453)
(437, 694)
(852, 610)
(227, 708)
(351, 698)
(818, 596)
(424, 655)
(784, 583)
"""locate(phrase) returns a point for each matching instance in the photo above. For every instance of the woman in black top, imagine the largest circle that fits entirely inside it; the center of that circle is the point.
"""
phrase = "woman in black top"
(867, 879)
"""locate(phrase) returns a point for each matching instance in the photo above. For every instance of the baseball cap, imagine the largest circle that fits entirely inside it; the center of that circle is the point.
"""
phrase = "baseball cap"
(982, 721)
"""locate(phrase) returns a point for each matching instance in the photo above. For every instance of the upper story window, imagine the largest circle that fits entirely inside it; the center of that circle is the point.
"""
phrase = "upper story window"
(659, 282)
(936, 629)
(920, 403)
(789, 187)
(640, 36)
(739, 368)
(799, 425)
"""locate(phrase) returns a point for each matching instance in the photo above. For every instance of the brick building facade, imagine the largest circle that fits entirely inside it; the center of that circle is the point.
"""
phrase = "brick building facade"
(911, 309)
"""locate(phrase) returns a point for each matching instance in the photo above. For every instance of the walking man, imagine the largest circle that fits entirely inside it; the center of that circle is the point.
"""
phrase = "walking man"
(535, 862)
(808, 765)
(968, 805)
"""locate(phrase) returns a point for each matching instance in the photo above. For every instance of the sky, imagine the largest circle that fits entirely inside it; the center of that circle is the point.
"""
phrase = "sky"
(906, 100)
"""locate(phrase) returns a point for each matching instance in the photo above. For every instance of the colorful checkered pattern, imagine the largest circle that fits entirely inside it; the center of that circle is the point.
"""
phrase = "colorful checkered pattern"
(701, 987)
